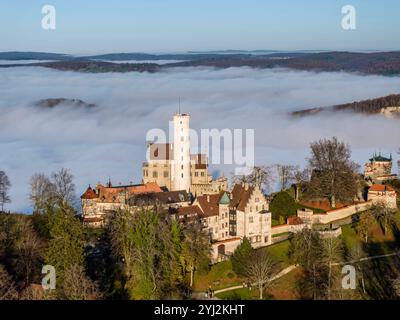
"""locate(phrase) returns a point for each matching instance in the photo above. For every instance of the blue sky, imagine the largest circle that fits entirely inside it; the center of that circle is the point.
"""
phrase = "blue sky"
(179, 25)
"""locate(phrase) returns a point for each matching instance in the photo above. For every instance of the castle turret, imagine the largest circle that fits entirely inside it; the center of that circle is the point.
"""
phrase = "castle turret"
(181, 167)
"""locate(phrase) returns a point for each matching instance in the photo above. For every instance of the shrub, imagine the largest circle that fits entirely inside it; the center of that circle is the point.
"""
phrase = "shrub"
(282, 205)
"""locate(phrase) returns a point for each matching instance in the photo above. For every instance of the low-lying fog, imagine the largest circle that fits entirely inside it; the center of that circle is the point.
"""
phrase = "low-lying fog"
(109, 141)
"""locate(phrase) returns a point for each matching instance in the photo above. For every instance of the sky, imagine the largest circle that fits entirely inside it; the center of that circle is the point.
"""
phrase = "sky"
(110, 139)
(92, 26)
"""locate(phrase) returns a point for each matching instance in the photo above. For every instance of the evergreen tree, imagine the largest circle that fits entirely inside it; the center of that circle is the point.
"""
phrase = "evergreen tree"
(240, 257)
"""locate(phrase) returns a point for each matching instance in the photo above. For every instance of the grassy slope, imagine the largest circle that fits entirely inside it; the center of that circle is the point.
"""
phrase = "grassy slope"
(377, 273)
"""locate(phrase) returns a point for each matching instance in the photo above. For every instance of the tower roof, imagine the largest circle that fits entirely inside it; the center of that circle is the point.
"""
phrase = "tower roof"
(380, 158)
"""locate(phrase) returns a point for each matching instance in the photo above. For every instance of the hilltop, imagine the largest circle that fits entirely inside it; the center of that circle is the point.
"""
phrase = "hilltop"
(388, 106)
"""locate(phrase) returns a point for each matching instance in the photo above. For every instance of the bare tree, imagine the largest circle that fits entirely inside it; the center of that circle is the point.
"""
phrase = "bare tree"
(384, 214)
(42, 191)
(28, 248)
(64, 186)
(33, 292)
(364, 225)
(396, 287)
(122, 244)
(259, 270)
(261, 176)
(334, 174)
(356, 254)
(285, 175)
(332, 254)
(7, 286)
(77, 286)
(196, 247)
(5, 185)
(299, 178)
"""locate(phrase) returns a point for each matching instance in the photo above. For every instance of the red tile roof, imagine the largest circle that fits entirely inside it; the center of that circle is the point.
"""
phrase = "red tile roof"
(110, 194)
(209, 204)
(380, 188)
(240, 196)
(189, 210)
(89, 194)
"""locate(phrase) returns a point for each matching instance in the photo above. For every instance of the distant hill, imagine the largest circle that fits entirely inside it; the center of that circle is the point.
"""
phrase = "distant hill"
(15, 56)
(388, 106)
(99, 66)
(381, 63)
(52, 103)
(378, 63)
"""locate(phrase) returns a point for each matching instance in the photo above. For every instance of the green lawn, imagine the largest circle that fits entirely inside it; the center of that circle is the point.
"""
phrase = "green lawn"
(279, 253)
(377, 286)
(382, 243)
(220, 276)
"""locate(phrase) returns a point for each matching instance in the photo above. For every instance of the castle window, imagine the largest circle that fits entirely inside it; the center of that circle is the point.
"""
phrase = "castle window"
(202, 174)
(155, 174)
(196, 174)
(251, 220)
(182, 166)
(165, 174)
(182, 175)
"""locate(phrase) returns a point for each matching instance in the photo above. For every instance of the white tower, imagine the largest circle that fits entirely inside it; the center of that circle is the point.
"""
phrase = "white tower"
(181, 166)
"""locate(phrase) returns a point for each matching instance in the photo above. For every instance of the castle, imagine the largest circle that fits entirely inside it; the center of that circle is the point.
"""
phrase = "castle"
(379, 169)
(172, 166)
(179, 183)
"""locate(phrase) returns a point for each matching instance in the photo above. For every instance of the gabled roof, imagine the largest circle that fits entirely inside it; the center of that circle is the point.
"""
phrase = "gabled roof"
(240, 196)
(89, 194)
(209, 204)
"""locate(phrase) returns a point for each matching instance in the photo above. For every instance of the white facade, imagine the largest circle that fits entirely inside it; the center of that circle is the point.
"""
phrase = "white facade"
(181, 179)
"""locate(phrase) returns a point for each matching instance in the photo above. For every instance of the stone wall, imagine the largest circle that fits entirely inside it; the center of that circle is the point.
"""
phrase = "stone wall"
(324, 218)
